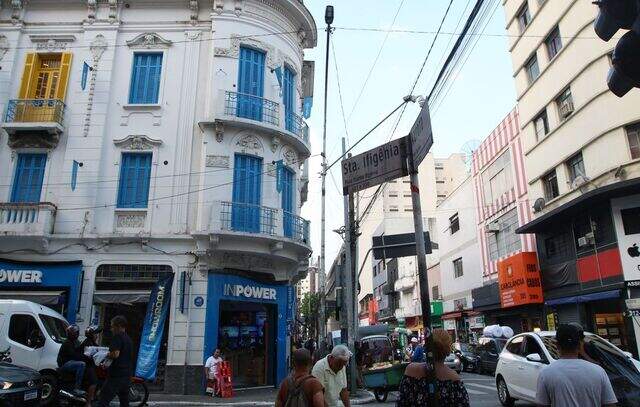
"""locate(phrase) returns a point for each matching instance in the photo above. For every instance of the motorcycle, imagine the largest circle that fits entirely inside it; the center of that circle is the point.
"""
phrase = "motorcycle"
(138, 390)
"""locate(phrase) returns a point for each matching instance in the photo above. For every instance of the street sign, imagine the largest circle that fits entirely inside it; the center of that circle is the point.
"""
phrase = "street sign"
(633, 303)
(373, 167)
(421, 135)
(401, 245)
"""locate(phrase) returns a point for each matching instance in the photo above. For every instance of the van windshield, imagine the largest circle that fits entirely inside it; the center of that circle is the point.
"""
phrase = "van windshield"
(56, 328)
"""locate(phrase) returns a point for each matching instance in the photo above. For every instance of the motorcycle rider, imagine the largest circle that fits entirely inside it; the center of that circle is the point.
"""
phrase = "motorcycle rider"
(72, 359)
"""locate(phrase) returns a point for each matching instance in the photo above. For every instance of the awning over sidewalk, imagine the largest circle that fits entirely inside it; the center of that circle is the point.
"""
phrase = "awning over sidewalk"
(41, 297)
(603, 295)
(604, 193)
(117, 296)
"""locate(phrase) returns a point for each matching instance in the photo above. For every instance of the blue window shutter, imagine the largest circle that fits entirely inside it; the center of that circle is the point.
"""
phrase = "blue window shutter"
(85, 73)
(250, 83)
(145, 78)
(288, 196)
(247, 185)
(135, 174)
(27, 182)
(288, 96)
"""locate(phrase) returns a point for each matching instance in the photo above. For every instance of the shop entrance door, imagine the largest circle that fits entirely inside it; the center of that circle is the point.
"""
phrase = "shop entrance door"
(247, 339)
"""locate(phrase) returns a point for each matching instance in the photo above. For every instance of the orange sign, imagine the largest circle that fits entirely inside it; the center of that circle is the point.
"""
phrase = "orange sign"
(519, 280)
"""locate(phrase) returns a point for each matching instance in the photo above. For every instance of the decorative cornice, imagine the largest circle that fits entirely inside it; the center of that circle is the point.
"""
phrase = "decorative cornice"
(234, 50)
(97, 47)
(137, 142)
(148, 41)
(51, 42)
(193, 7)
(113, 11)
(16, 9)
(92, 6)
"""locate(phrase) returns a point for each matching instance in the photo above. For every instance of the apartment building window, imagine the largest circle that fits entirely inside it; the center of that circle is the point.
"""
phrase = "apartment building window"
(135, 173)
(460, 303)
(633, 135)
(247, 193)
(454, 223)
(393, 208)
(524, 16)
(575, 165)
(408, 208)
(393, 194)
(457, 268)
(288, 98)
(145, 78)
(27, 181)
(532, 68)
(541, 124)
(553, 43)
(503, 239)
(251, 84)
(557, 246)
(435, 292)
(497, 179)
(565, 104)
(550, 185)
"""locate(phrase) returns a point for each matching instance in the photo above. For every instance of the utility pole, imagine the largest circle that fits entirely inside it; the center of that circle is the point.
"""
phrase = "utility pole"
(425, 302)
(349, 275)
(328, 18)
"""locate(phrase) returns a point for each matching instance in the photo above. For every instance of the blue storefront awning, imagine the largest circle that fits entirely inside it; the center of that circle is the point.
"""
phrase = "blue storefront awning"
(603, 295)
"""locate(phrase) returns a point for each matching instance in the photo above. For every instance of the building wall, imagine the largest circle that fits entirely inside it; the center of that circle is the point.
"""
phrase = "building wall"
(597, 123)
(504, 139)
(461, 244)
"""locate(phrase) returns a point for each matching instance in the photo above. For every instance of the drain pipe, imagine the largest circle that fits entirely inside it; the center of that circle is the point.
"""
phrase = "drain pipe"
(186, 293)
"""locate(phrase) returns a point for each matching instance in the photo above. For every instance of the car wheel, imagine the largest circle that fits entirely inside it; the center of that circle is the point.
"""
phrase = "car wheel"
(503, 394)
(49, 386)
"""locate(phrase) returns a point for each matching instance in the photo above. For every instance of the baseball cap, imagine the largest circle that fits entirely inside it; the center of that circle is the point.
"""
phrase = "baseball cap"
(569, 335)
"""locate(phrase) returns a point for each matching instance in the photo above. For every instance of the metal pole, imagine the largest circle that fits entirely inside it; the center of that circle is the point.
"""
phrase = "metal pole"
(349, 220)
(423, 281)
(328, 16)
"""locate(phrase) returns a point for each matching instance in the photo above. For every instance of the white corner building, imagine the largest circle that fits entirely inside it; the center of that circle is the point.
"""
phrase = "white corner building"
(143, 139)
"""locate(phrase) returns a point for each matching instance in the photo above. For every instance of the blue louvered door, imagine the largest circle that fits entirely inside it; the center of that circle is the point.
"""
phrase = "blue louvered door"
(247, 190)
(288, 201)
(145, 78)
(27, 181)
(250, 84)
(135, 174)
(288, 98)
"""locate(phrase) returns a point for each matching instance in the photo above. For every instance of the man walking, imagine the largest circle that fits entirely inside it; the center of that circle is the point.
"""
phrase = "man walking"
(331, 373)
(571, 381)
(300, 389)
(119, 373)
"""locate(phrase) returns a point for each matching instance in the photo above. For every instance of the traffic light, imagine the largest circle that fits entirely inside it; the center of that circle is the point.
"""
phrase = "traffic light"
(613, 16)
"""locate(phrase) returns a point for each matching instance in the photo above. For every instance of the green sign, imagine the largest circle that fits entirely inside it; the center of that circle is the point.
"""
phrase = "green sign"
(436, 308)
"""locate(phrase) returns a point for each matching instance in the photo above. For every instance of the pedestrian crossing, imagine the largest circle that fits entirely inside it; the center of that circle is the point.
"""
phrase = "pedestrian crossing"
(479, 385)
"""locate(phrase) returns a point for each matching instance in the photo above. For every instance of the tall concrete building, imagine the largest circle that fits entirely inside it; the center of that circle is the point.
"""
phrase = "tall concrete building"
(581, 146)
(147, 140)
(437, 178)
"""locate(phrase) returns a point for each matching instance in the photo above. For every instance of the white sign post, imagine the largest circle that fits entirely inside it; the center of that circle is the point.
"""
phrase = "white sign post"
(373, 167)
(421, 135)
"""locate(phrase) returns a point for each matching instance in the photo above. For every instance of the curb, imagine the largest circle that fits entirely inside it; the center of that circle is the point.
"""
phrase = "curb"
(366, 400)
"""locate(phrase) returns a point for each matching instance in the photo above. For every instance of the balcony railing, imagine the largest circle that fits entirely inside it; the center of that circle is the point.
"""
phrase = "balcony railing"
(248, 218)
(251, 107)
(294, 123)
(26, 219)
(35, 111)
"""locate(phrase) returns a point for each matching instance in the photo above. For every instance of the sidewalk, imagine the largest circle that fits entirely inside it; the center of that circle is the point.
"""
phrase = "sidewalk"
(253, 397)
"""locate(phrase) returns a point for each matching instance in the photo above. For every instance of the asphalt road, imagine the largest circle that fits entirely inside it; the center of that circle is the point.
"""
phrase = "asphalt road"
(481, 389)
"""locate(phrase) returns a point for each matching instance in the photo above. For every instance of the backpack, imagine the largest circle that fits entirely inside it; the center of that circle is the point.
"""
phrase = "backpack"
(295, 392)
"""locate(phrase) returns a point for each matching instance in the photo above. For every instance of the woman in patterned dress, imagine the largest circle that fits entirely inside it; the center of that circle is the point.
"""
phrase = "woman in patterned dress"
(451, 390)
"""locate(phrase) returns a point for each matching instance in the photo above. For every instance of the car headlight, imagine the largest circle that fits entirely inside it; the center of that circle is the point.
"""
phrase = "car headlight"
(5, 385)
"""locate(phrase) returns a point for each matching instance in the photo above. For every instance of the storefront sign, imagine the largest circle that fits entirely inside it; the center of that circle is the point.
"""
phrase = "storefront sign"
(154, 322)
(625, 212)
(476, 322)
(449, 324)
(633, 303)
(249, 291)
(18, 276)
(436, 308)
(519, 280)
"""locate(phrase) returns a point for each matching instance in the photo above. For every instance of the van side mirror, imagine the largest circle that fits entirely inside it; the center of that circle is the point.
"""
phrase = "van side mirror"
(534, 357)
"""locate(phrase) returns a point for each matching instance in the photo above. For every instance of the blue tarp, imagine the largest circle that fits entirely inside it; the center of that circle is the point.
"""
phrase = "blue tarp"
(603, 295)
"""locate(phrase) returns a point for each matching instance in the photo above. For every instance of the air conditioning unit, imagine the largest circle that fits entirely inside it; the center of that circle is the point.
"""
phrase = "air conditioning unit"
(566, 108)
(586, 240)
(493, 227)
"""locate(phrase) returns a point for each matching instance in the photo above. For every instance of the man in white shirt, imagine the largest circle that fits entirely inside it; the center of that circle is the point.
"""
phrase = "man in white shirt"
(212, 366)
(331, 372)
(571, 381)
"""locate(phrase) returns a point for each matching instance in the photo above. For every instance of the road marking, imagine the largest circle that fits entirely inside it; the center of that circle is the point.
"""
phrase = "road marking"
(476, 392)
(481, 385)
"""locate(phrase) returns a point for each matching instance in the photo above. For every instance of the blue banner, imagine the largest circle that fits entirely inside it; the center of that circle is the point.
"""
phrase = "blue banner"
(74, 174)
(278, 72)
(150, 341)
(307, 104)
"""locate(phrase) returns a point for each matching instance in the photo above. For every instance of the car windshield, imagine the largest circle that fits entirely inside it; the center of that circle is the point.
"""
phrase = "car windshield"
(590, 340)
(56, 327)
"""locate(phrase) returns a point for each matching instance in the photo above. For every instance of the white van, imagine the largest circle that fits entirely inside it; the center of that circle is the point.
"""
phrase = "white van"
(34, 333)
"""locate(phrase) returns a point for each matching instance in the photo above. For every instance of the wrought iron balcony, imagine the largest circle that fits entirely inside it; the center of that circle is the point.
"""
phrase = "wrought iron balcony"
(294, 124)
(256, 219)
(41, 119)
(27, 219)
(251, 107)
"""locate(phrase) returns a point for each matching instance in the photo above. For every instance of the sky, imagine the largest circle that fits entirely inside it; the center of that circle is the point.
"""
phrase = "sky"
(481, 94)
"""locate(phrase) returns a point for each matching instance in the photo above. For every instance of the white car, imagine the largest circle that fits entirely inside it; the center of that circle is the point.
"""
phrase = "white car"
(524, 356)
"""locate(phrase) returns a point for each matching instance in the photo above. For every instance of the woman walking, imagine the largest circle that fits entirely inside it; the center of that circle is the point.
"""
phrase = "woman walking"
(451, 390)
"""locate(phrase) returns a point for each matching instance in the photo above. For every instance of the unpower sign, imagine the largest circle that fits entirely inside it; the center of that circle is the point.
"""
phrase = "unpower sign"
(249, 291)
